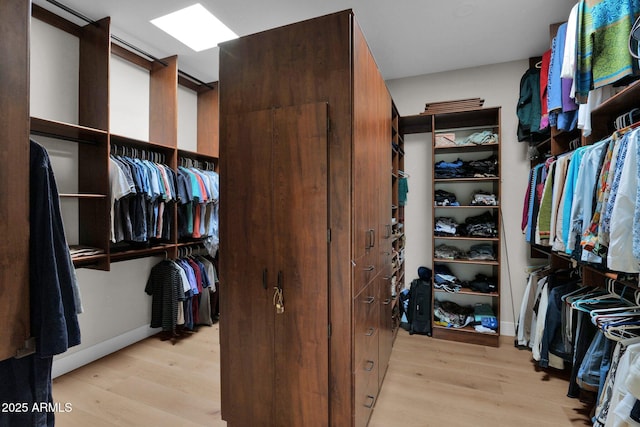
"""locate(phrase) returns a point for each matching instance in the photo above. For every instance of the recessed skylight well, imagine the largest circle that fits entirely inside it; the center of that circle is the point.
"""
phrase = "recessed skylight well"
(196, 27)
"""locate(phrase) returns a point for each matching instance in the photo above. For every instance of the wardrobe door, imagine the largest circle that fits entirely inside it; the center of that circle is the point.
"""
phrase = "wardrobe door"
(300, 204)
(14, 176)
(247, 275)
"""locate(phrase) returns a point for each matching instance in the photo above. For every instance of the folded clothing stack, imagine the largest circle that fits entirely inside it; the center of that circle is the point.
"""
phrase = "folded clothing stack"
(445, 198)
(483, 168)
(445, 226)
(483, 225)
(448, 252)
(481, 252)
(483, 283)
(483, 198)
(483, 315)
(444, 279)
(450, 314)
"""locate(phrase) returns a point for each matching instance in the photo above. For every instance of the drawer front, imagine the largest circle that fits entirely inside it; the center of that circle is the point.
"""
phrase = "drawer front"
(366, 393)
(366, 311)
(364, 269)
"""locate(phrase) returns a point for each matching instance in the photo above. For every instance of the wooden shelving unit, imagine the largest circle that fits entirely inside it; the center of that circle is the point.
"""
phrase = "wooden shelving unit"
(95, 139)
(464, 123)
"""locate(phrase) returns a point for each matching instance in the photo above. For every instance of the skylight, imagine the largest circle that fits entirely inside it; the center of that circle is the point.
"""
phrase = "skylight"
(196, 27)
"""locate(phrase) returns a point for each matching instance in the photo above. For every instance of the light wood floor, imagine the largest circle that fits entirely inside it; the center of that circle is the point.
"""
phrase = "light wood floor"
(429, 383)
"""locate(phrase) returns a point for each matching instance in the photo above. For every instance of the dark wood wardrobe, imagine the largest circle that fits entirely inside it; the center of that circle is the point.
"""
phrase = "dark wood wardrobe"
(14, 177)
(305, 161)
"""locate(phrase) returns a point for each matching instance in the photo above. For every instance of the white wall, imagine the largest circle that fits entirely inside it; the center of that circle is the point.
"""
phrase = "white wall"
(128, 99)
(187, 119)
(54, 63)
(499, 86)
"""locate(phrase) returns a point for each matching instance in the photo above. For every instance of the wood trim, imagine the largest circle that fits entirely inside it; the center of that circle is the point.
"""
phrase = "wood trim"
(209, 121)
(130, 56)
(44, 15)
(94, 75)
(189, 84)
(163, 102)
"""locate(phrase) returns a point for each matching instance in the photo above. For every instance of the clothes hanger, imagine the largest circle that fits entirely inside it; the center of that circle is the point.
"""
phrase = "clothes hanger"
(580, 292)
(607, 299)
(622, 332)
(627, 309)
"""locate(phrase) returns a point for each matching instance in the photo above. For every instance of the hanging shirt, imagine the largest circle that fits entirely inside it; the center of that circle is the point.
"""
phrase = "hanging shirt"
(581, 208)
(560, 174)
(544, 78)
(119, 187)
(569, 52)
(570, 187)
(622, 240)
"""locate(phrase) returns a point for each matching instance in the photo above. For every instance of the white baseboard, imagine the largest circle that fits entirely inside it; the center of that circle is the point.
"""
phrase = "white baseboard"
(508, 329)
(66, 363)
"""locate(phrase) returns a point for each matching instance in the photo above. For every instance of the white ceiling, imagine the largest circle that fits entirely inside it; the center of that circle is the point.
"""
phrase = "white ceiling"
(407, 37)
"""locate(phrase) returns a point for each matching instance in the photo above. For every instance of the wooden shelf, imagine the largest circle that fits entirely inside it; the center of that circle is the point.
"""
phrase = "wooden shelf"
(466, 261)
(91, 260)
(196, 156)
(467, 334)
(415, 124)
(67, 131)
(623, 101)
(468, 207)
(468, 291)
(471, 179)
(467, 148)
(489, 239)
(487, 117)
(82, 196)
(129, 254)
(142, 145)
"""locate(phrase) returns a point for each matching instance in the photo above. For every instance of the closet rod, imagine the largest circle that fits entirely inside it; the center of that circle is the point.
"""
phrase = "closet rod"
(71, 11)
(127, 44)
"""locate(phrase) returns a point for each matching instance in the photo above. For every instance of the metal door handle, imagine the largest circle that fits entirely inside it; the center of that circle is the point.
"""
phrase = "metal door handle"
(370, 332)
(369, 268)
(387, 301)
(370, 365)
(370, 401)
(370, 300)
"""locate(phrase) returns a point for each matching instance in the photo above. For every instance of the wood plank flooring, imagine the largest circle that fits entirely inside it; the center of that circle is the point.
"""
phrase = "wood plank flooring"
(429, 383)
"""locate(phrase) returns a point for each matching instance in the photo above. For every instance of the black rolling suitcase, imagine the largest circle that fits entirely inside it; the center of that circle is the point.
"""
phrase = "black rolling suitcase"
(419, 312)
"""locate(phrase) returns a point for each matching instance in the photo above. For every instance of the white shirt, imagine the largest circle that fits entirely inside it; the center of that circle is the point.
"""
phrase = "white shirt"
(620, 256)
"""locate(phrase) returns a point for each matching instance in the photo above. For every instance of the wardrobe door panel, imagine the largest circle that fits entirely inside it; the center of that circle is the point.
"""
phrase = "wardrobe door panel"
(14, 177)
(300, 206)
(246, 272)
